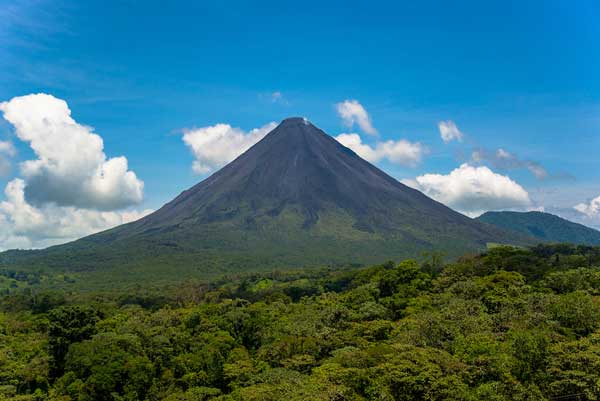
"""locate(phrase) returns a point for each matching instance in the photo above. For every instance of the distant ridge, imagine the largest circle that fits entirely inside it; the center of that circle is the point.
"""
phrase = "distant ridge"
(544, 226)
(296, 198)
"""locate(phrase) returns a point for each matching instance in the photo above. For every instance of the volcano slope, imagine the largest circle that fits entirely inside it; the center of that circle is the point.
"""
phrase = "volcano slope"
(297, 198)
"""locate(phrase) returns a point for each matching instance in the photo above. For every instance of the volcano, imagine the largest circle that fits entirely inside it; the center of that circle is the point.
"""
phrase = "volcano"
(296, 198)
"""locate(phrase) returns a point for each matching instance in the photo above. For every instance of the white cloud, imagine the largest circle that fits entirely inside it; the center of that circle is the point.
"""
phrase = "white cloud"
(473, 190)
(591, 209)
(354, 142)
(7, 150)
(505, 160)
(352, 112)
(26, 226)
(449, 131)
(400, 152)
(276, 97)
(503, 154)
(72, 189)
(71, 168)
(537, 170)
(217, 145)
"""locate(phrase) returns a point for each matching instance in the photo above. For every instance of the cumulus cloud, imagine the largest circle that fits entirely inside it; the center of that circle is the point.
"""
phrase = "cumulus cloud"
(400, 152)
(7, 150)
(24, 225)
(473, 190)
(71, 168)
(590, 209)
(71, 189)
(505, 160)
(449, 131)
(217, 145)
(352, 112)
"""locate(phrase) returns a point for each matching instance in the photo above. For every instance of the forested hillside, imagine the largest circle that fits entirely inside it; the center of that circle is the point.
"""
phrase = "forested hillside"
(543, 226)
(510, 324)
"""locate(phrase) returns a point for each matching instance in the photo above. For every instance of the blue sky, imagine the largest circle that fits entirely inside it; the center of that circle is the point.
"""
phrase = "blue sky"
(520, 77)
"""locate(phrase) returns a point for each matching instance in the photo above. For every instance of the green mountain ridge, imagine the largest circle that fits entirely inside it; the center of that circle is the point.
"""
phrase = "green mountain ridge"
(544, 226)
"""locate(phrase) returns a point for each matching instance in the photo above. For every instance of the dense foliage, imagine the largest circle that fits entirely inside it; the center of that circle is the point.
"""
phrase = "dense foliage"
(510, 324)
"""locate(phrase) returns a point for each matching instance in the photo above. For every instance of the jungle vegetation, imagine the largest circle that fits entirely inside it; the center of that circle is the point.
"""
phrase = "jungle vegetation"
(508, 324)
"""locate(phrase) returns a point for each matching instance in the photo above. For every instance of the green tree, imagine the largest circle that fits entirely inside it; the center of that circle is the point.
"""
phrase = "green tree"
(68, 325)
